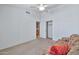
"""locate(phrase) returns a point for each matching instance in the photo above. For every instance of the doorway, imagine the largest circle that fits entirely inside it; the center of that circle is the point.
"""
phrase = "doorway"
(37, 29)
(49, 29)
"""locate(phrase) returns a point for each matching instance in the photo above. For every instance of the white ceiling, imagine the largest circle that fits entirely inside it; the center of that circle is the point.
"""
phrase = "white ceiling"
(30, 5)
(34, 6)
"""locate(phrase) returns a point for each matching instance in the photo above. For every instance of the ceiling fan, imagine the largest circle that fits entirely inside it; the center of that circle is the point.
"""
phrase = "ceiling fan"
(41, 7)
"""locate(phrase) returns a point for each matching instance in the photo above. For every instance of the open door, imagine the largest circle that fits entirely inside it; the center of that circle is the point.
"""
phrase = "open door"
(37, 29)
(49, 29)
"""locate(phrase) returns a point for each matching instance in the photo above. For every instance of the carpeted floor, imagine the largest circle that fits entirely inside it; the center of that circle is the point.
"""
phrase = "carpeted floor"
(35, 47)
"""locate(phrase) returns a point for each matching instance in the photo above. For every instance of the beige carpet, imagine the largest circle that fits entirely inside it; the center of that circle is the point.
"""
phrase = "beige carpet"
(35, 47)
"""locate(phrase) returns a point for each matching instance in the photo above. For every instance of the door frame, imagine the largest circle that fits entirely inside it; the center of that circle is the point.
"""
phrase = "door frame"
(47, 28)
(37, 29)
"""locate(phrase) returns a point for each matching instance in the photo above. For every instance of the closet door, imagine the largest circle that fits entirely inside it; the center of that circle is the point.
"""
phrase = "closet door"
(49, 29)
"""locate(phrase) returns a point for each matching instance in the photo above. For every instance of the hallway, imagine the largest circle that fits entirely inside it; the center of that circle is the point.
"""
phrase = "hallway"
(34, 47)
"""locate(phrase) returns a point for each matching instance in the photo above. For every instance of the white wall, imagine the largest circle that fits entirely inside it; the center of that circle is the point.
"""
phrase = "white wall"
(42, 29)
(65, 21)
(16, 26)
(42, 26)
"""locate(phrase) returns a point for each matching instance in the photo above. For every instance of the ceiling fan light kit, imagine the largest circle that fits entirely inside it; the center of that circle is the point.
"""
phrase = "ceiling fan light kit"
(41, 8)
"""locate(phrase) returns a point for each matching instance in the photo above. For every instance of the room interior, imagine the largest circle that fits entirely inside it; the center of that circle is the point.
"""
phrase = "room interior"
(30, 29)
